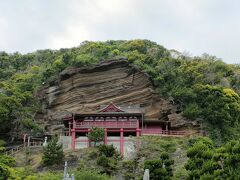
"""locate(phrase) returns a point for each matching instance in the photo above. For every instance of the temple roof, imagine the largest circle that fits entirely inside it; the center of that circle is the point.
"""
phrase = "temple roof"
(110, 108)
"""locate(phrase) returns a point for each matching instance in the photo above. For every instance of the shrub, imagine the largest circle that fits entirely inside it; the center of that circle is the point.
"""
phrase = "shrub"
(129, 168)
(160, 168)
(103, 161)
(6, 163)
(210, 162)
(90, 175)
(52, 153)
(2, 143)
(107, 150)
(93, 154)
(96, 135)
(108, 160)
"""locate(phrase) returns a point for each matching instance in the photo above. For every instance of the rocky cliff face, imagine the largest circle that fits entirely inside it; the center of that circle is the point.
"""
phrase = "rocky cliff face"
(84, 89)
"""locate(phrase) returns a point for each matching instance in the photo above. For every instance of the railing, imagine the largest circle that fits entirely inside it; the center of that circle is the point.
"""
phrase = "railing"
(66, 132)
(14, 150)
(107, 124)
(18, 148)
(34, 144)
(162, 132)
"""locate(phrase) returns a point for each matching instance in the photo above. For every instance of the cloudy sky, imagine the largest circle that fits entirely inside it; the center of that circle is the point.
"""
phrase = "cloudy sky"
(193, 26)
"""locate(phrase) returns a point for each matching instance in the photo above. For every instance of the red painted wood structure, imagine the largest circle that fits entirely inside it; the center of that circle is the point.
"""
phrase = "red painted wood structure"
(113, 119)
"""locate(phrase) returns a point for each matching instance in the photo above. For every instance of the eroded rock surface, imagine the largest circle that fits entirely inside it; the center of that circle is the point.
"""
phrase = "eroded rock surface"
(79, 90)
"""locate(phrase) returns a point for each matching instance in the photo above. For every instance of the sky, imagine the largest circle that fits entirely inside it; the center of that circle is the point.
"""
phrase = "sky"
(191, 26)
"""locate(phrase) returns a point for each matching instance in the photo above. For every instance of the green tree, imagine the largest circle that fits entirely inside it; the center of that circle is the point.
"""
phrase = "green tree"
(90, 175)
(96, 135)
(174, 75)
(6, 164)
(108, 159)
(52, 153)
(160, 168)
(219, 107)
(107, 150)
(209, 162)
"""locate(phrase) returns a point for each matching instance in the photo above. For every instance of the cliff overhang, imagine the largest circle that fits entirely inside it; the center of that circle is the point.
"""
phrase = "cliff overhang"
(83, 90)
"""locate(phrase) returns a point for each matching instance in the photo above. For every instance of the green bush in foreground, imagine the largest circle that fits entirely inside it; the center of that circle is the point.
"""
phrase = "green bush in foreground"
(90, 175)
(52, 153)
(6, 164)
(107, 150)
(160, 169)
(209, 162)
(28, 174)
(108, 158)
(96, 135)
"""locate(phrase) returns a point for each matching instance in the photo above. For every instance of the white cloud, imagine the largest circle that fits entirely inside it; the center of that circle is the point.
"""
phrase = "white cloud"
(3, 32)
(72, 37)
(195, 26)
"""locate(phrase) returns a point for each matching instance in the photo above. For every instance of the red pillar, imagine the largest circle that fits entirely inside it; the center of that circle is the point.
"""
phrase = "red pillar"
(73, 139)
(105, 136)
(74, 135)
(138, 134)
(121, 142)
(69, 128)
(89, 142)
(167, 129)
(137, 130)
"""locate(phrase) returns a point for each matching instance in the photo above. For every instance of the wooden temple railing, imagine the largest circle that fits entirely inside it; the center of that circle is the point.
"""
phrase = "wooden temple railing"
(162, 132)
(66, 132)
(106, 124)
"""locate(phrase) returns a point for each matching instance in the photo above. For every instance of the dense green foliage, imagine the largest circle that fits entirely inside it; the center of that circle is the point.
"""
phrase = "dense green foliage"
(107, 150)
(107, 159)
(205, 88)
(96, 162)
(52, 153)
(150, 151)
(96, 135)
(27, 173)
(103, 160)
(208, 162)
(220, 107)
(6, 164)
(90, 175)
(160, 168)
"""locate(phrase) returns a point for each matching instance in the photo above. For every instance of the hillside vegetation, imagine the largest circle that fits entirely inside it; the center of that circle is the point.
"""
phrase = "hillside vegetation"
(206, 89)
(103, 163)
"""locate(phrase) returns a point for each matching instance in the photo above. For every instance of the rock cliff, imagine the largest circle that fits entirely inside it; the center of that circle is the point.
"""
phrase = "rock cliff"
(85, 89)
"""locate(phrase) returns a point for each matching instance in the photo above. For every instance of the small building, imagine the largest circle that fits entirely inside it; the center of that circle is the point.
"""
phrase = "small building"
(118, 122)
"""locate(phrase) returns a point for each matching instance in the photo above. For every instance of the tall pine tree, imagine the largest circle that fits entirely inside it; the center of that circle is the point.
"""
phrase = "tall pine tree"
(52, 153)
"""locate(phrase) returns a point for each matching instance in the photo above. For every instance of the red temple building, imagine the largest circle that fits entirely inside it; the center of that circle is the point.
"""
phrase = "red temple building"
(118, 122)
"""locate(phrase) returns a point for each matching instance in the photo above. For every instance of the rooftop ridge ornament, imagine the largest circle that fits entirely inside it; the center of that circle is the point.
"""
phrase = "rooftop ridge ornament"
(111, 108)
